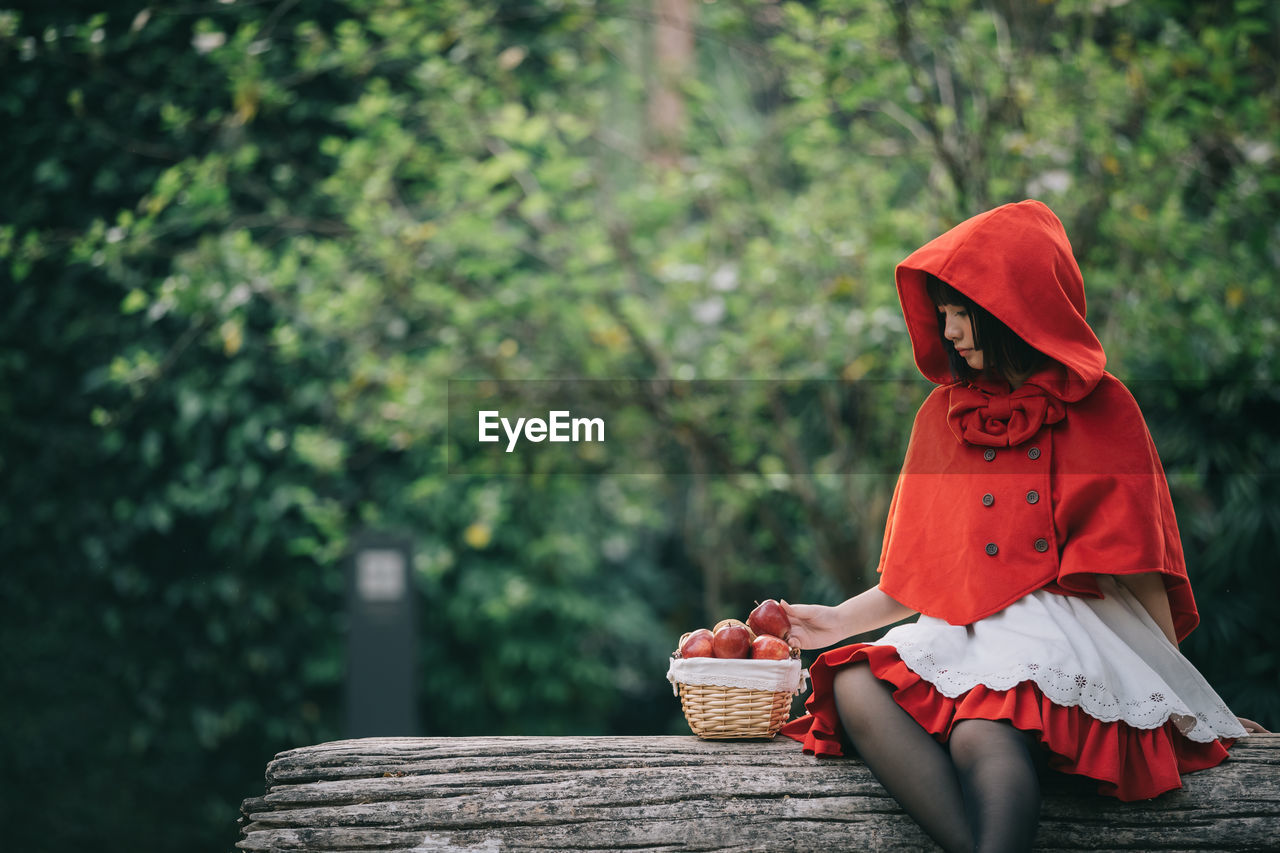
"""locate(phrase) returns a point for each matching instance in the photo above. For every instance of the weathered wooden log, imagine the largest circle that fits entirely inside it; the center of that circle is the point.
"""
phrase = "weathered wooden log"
(682, 793)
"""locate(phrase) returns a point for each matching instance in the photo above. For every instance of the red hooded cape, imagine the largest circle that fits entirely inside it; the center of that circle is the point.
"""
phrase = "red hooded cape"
(1005, 492)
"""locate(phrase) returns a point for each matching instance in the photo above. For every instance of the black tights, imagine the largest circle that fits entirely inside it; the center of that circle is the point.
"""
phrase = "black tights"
(980, 792)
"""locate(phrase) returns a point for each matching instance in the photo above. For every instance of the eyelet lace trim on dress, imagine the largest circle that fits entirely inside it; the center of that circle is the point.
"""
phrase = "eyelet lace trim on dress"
(1073, 689)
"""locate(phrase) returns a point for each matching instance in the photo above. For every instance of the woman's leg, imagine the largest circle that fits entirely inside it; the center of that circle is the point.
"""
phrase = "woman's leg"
(911, 765)
(997, 769)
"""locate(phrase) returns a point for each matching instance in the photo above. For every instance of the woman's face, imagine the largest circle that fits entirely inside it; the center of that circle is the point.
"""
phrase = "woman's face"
(958, 329)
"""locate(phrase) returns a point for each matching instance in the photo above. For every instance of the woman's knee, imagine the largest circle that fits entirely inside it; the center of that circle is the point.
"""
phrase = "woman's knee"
(972, 740)
(859, 696)
(854, 681)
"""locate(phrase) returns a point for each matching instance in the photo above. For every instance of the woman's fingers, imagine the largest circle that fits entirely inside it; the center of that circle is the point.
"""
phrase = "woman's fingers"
(808, 624)
(799, 613)
(793, 638)
(1251, 727)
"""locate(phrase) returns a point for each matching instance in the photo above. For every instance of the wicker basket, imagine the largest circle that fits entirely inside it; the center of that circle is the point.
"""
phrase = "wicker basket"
(733, 712)
(723, 710)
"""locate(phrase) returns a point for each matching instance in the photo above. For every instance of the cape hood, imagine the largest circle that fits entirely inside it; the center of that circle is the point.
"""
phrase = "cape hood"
(1016, 262)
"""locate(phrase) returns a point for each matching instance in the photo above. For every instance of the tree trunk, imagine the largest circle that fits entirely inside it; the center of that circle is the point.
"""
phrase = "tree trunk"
(682, 793)
(672, 59)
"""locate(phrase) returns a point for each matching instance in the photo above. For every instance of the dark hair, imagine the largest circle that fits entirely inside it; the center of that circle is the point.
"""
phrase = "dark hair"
(1003, 352)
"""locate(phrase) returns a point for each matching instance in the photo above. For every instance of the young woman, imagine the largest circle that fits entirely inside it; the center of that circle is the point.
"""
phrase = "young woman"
(1032, 530)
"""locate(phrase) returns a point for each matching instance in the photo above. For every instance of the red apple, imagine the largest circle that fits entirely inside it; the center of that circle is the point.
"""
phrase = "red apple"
(732, 641)
(724, 622)
(769, 647)
(769, 618)
(696, 644)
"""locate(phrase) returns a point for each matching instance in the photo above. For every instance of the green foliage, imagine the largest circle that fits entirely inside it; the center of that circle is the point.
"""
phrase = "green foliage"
(250, 250)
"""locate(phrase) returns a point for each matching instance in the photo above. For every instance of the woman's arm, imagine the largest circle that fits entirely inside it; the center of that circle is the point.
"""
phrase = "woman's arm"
(1148, 588)
(816, 626)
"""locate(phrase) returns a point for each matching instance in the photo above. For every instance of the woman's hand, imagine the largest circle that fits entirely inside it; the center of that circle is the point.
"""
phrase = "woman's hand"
(816, 626)
(1252, 728)
(813, 626)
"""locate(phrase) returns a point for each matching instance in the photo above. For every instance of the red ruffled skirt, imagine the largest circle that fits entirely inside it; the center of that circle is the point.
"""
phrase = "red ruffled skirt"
(1128, 762)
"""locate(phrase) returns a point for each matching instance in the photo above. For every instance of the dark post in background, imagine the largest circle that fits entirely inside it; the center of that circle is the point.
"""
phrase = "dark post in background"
(382, 639)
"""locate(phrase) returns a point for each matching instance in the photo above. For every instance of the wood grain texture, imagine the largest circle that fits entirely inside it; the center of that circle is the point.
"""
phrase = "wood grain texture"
(682, 793)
